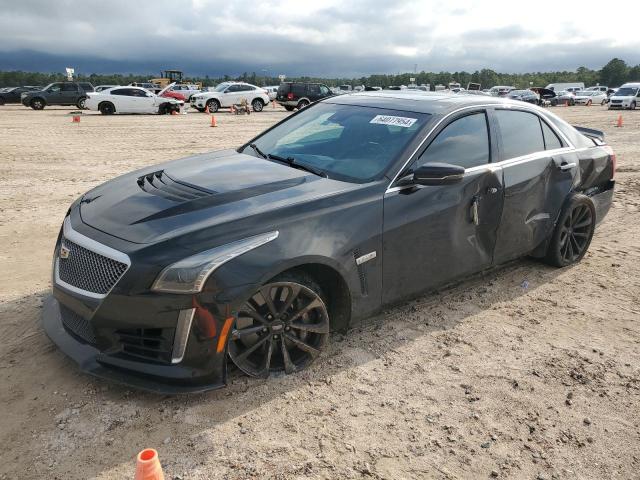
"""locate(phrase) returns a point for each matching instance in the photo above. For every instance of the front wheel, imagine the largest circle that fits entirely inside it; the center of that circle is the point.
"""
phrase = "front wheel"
(81, 103)
(257, 105)
(633, 106)
(283, 327)
(37, 104)
(213, 105)
(573, 232)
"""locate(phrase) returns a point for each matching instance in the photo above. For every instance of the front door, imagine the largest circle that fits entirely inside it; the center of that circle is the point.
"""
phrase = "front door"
(539, 172)
(69, 93)
(434, 234)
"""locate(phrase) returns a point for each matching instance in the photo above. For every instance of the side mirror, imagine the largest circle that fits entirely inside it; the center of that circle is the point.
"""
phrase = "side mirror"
(438, 174)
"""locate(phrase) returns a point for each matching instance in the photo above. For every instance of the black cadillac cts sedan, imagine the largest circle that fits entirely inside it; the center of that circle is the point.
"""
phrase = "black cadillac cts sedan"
(254, 255)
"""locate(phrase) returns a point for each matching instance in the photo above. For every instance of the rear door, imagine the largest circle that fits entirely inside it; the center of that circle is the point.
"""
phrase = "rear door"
(69, 93)
(434, 234)
(539, 170)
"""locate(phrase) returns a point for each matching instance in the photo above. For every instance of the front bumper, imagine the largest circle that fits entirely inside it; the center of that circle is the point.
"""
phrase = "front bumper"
(165, 379)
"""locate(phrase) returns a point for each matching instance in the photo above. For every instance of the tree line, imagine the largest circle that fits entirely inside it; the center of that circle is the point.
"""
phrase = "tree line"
(613, 74)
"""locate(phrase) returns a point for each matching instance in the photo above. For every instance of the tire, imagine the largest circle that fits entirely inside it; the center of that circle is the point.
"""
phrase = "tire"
(257, 105)
(213, 105)
(633, 106)
(572, 103)
(554, 103)
(81, 103)
(302, 104)
(289, 108)
(37, 104)
(1, 101)
(603, 103)
(107, 108)
(573, 232)
(282, 335)
(589, 103)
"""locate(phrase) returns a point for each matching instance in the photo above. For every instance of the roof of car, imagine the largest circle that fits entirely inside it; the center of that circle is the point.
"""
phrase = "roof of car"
(418, 101)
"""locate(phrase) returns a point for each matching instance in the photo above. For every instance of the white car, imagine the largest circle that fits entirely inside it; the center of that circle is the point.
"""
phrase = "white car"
(100, 88)
(272, 91)
(230, 93)
(186, 90)
(591, 97)
(599, 88)
(131, 100)
(627, 96)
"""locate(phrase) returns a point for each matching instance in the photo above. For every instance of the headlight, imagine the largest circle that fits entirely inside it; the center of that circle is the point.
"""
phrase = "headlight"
(190, 274)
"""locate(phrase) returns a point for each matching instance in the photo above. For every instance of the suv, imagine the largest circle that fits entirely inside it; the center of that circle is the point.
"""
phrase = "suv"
(59, 93)
(298, 94)
(228, 94)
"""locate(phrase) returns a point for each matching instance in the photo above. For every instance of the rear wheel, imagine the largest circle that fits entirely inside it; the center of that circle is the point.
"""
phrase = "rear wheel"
(257, 105)
(302, 104)
(37, 104)
(213, 105)
(107, 108)
(283, 327)
(81, 103)
(573, 233)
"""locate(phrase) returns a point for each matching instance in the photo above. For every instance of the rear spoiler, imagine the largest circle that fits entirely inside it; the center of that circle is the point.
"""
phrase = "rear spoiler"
(591, 133)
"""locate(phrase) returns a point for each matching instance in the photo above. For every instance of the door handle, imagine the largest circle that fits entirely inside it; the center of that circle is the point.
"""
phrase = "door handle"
(474, 211)
(567, 166)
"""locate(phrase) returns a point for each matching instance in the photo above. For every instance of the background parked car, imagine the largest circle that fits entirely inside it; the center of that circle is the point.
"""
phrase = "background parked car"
(12, 94)
(300, 94)
(528, 96)
(500, 90)
(564, 97)
(185, 89)
(152, 87)
(627, 96)
(230, 93)
(591, 97)
(599, 88)
(272, 91)
(58, 93)
(131, 100)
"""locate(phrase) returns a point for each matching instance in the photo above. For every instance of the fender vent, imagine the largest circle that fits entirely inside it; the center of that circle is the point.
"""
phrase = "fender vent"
(162, 185)
(361, 273)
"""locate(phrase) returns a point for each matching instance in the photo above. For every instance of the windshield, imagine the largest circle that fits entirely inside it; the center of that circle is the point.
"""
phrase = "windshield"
(221, 87)
(346, 142)
(626, 92)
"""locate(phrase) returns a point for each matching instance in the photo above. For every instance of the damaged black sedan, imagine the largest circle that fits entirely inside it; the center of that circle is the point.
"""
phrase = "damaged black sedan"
(254, 255)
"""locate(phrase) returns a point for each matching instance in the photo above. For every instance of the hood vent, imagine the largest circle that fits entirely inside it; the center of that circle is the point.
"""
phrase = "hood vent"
(162, 185)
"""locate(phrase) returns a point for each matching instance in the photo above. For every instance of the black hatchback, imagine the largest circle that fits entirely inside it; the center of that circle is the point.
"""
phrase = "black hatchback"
(300, 94)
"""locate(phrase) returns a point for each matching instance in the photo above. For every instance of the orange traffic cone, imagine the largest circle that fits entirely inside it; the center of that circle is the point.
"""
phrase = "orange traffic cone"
(75, 119)
(273, 104)
(213, 121)
(619, 122)
(174, 112)
(566, 103)
(148, 466)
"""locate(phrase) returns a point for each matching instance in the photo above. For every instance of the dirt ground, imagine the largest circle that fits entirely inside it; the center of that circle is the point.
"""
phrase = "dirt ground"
(526, 372)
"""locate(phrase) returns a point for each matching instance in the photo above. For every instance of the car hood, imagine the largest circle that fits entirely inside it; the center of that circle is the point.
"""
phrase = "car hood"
(196, 193)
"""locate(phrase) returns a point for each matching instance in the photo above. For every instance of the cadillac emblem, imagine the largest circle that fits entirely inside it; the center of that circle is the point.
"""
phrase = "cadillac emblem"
(64, 252)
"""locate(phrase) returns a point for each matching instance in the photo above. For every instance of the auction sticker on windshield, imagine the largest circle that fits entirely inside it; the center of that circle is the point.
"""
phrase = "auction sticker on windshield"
(395, 121)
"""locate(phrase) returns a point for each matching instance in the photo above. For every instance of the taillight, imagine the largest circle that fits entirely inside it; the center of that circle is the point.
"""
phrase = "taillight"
(290, 96)
(614, 160)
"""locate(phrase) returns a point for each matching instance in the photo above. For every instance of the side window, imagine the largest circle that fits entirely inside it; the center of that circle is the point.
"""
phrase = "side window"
(122, 91)
(299, 89)
(314, 89)
(324, 90)
(464, 142)
(551, 140)
(233, 88)
(54, 88)
(69, 87)
(521, 133)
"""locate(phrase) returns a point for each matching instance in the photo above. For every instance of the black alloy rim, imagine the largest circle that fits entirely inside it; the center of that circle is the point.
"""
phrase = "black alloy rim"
(575, 233)
(282, 328)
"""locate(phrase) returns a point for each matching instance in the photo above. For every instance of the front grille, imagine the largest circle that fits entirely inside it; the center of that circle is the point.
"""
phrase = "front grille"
(77, 325)
(616, 101)
(147, 343)
(88, 270)
(162, 185)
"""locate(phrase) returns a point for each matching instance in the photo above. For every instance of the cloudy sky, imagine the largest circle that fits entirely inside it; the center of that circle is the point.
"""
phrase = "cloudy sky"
(323, 38)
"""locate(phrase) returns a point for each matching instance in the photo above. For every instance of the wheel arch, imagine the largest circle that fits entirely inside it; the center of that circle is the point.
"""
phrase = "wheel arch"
(334, 286)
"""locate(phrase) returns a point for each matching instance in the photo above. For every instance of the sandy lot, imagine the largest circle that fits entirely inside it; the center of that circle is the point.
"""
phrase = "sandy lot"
(526, 372)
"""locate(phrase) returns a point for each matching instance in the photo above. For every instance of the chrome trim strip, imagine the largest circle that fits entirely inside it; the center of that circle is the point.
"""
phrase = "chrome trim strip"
(183, 327)
(366, 258)
(522, 158)
(96, 247)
